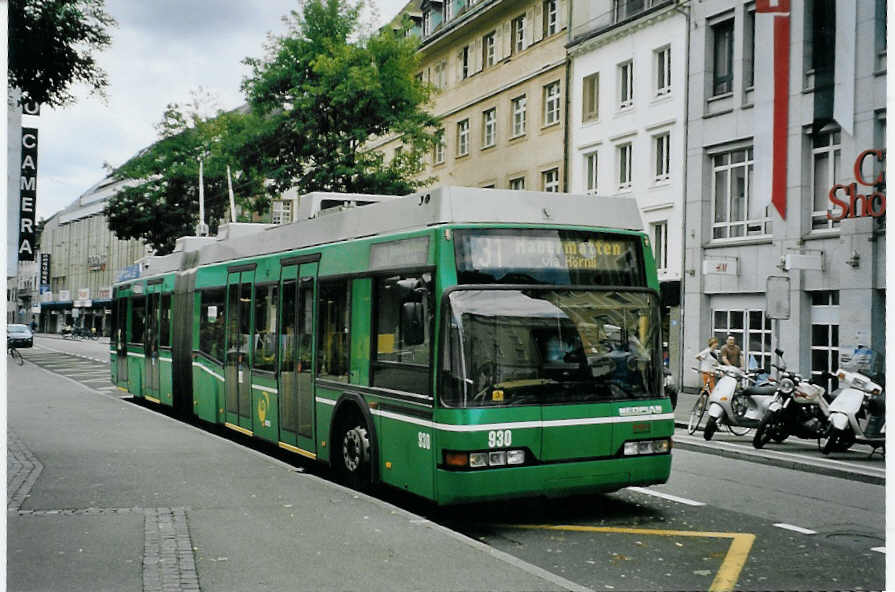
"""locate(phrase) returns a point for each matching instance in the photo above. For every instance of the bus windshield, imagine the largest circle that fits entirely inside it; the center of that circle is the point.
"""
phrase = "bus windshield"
(550, 346)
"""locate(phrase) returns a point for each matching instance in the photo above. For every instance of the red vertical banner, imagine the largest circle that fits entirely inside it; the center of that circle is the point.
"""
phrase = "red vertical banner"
(781, 113)
(779, 77)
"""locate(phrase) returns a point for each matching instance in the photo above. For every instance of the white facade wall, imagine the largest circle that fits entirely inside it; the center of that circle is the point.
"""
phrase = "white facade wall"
(650, 116)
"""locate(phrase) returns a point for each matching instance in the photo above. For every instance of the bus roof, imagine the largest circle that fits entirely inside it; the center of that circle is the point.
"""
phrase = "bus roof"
(442, 205)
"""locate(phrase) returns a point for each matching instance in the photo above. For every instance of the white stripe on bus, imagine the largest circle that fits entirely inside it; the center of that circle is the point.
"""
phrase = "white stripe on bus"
(519, 425)
(215, 374)
(266, 389)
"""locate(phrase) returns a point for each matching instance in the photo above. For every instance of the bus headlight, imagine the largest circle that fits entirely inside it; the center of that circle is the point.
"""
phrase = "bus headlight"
(497, 459)
(515, 457)
(642, 447)
(478, 460)
(454, 459)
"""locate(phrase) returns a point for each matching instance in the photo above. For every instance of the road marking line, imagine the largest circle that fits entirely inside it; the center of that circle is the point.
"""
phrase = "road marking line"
(879, 549)
(793, 528)
(667, 496)
(729, 572)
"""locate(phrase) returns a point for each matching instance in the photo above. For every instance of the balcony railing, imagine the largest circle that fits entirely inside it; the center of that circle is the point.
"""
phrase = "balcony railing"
(621, 11)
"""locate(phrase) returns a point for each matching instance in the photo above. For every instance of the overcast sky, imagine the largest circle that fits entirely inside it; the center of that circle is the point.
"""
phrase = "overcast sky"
(161, 50)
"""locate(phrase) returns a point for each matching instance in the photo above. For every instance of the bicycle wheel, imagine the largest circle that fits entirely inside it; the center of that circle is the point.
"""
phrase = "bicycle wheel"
(738, 430)
(16, 356)
(697, 412)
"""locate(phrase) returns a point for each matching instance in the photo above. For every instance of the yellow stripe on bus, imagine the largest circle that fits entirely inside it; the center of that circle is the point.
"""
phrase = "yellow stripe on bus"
(153, 399)
(297, 450)
(239, 429)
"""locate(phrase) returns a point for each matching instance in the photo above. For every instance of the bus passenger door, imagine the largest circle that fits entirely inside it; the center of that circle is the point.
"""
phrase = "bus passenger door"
(237, 366)
(121, 343)
(296, 375)
(151, 346)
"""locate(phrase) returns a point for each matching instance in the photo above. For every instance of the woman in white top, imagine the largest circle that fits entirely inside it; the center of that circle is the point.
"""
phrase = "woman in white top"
(707, 361)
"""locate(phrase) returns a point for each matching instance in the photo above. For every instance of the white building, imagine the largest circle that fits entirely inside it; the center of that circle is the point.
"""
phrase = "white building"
(627, 121)
(756, 134)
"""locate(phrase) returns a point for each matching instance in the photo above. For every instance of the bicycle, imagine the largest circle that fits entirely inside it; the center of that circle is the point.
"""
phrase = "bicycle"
(13, 353)
(699, 407)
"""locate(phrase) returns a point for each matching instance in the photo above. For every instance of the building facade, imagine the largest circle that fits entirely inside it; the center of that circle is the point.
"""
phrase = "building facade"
(786, 179)
(627, 122)
(499, 68)
(85, 259)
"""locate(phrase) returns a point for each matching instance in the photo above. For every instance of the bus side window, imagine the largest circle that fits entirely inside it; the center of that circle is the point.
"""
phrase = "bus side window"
(265, 327)
(403, 313)
(333, 314)
(138, 319)
(211, 323)
(165, 322)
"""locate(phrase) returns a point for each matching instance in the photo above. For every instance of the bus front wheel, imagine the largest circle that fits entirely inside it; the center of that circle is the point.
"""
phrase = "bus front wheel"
(354, 454)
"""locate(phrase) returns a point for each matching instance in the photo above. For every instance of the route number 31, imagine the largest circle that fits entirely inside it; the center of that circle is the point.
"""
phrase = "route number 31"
(500, 438)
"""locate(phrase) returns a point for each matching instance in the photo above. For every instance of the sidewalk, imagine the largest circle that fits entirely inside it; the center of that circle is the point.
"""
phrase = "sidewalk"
(106, 495)
(100, 339)
(794, 453)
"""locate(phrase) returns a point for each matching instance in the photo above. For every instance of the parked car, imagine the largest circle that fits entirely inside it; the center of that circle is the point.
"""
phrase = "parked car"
(19, 336)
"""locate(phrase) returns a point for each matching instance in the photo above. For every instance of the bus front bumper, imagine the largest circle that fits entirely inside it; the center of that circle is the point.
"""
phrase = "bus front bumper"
(550, 480)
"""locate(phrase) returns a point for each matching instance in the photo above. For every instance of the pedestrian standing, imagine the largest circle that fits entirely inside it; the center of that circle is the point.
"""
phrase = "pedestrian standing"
(731, 354)
(707, 360)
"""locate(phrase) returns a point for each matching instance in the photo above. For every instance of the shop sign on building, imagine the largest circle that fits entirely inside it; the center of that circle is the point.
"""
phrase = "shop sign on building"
(852, 204)
(27, 194)
(83, 299)
(131, 272)
(44, 270)
(728, 266)
(96, 263)
(64, 296)
(104, 293)
(46, 296)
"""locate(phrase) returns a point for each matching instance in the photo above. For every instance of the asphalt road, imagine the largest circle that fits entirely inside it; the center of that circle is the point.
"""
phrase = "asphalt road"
(719, 523)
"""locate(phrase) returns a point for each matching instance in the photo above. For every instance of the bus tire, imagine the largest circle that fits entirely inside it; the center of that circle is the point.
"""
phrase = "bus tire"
(352, 459)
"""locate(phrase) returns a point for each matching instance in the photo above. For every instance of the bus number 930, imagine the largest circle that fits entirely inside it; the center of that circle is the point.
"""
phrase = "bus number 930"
(500, 438)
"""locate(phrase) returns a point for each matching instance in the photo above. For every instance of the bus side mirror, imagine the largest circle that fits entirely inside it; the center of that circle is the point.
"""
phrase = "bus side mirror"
(412, 324)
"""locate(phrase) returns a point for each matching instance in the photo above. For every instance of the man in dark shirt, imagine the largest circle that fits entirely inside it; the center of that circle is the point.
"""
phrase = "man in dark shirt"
(731, 354)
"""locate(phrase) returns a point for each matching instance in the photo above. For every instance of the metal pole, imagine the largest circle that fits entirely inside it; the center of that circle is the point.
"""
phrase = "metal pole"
(230, 191)
(201, 228)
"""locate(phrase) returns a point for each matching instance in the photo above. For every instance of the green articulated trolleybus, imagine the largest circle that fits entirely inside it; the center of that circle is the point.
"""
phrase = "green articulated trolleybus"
(462, 344)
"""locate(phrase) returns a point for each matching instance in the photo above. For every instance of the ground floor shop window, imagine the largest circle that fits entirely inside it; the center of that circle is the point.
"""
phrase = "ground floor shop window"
(824, 337)
(750, 329)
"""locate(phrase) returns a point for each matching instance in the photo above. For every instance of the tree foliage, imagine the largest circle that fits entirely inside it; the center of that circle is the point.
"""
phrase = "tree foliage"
(160, 199)
(52, 45)
(322, 98)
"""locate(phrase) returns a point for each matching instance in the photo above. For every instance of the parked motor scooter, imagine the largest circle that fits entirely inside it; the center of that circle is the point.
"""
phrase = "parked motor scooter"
(739, 409)
(799, 408)
(858, 413)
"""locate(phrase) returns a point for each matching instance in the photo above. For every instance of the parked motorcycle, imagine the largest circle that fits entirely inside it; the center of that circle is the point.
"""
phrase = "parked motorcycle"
(739, 409)
(858, 413)
(799, 409)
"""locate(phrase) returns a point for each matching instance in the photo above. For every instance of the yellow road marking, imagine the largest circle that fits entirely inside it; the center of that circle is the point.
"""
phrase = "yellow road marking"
(729, 572)
(297, 450)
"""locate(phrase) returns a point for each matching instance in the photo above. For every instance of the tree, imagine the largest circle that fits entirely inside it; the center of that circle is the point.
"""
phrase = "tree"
(160, 200)
(52, 45)
(322, 97)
